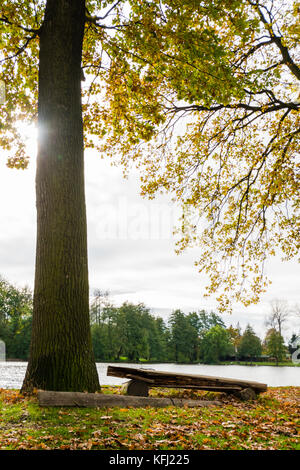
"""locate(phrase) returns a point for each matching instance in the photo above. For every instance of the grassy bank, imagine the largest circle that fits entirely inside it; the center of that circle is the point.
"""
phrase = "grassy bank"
(270, 422)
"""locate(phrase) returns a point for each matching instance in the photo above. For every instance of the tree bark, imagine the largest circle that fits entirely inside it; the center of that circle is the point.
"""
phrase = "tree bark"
(61, 356)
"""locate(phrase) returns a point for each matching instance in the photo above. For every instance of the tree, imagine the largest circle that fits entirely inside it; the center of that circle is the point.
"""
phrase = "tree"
(208, 320)
(160, 351)
(275, 345)
(183, 337)
(100, 343)
(104, 328)
(216, 344)
(15, 319)
(154, 336)
(279, 314)
(100, 301)
(207, 106)
(249, 345)
(133, 334)
(153, 64)
(47, 37)
(235, 336)
(129, 330)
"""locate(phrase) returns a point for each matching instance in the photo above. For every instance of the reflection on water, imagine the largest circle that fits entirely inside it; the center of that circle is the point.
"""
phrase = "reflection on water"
(12, 373)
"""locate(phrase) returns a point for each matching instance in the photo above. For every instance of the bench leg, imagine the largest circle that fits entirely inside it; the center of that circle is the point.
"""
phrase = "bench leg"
(246, 394)
(136, 388)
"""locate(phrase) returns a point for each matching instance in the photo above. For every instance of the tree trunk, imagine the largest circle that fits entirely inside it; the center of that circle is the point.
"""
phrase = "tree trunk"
(61, 356)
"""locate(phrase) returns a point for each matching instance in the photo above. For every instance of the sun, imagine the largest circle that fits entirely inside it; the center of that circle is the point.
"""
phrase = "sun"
(29, 136)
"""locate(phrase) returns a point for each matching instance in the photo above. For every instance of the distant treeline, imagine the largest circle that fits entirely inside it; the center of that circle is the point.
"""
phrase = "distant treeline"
(130, 332)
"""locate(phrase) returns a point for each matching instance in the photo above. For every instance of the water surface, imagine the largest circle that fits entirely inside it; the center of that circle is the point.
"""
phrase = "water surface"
(12, 373)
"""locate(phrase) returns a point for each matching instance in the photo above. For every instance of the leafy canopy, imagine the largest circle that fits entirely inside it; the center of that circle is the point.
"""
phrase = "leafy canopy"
(203, 97)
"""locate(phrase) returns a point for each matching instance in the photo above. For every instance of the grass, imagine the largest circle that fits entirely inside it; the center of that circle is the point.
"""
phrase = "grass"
(270, 422)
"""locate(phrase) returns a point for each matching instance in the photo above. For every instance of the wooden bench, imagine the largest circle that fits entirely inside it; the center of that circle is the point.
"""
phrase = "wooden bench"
(143, 379)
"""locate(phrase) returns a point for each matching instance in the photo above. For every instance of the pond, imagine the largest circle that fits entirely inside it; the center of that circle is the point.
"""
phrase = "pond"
(12, 373)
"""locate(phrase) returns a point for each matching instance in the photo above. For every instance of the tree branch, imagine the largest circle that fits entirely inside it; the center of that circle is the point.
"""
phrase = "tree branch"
(4, 19)
(267, 108)
(93, 19)
(251, 51)
(21, 49)
(287, 59)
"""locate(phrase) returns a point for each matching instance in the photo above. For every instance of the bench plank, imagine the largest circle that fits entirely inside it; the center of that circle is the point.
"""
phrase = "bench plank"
(179, 380)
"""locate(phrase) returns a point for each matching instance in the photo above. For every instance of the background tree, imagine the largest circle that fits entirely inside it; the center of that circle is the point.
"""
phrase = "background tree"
(104, 329)
(105, 333)
(100, 342)
(161, 352)
(100, 301)
(249, 345)
(215, 345)
(15, 319)
(235, 337)
(207, 320)
(194, 321)
(133, 336)
(280, 312)
(183, 336)
(275, 345)
(156, 345)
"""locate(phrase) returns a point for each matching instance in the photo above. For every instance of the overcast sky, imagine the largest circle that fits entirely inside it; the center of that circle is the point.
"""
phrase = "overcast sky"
(131, 247)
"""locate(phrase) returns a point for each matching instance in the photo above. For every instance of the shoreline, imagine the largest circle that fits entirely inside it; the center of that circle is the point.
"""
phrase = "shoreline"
(222, 363)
